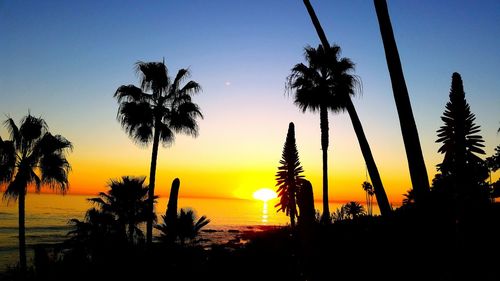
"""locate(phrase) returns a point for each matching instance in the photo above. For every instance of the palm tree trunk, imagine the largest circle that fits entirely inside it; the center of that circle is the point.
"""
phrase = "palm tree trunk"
(323, 112)
(22, 233)
(151, 191)
(418, 172)
(378, 187)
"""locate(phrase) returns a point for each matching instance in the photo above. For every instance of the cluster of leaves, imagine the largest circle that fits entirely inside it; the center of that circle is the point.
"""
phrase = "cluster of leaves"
(187, 227)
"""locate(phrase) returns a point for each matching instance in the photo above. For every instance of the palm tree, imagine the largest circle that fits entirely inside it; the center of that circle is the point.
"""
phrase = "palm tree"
(416, 164)
(383, 202)
(354, 209)
(127, 202)
(368, 188)
(187, 226)
(289, 176)
(155, 111)
(32, 156)
(409, 197)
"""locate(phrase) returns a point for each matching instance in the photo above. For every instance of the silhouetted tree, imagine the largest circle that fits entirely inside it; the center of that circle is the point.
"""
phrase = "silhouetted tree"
(383, 202)
(409, 197)
(32, 156)
(187, 226)
(340, 214)
(289, 176)
(368, 188)
(127, 202)
(98, 229)
(416, 164)
(155, 111)
(493, 163)
(354, 209)
(461, 168)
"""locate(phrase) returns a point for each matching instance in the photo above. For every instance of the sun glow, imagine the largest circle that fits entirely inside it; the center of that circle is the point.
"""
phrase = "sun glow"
(264, 194)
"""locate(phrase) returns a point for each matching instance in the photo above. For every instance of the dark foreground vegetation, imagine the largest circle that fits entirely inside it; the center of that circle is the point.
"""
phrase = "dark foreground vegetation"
(404, 247)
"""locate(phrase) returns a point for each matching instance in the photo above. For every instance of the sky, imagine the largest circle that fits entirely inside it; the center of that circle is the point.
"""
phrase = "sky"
(63, 61)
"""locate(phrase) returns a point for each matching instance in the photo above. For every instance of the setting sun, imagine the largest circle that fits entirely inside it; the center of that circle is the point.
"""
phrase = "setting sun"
(264, 194)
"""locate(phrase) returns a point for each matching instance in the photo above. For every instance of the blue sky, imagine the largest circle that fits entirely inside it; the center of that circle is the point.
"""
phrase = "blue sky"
(63, 60)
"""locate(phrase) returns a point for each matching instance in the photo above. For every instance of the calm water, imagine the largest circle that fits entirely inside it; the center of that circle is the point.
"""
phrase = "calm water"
(47, 217)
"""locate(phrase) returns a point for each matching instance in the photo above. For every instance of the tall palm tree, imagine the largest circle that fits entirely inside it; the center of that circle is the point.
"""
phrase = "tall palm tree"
(153, 112)
(127, 202)
(289, 176)
(416, 164)
(32, 156)
(313, 85)
(382, 200)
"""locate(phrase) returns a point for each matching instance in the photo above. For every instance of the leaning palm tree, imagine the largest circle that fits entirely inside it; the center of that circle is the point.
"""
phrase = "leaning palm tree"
(153, 112)
(383, 202)
(126, 202)
(32, 156)
(416, 164)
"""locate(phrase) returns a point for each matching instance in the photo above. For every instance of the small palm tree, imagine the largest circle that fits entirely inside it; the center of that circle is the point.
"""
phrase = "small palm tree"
(32, 156)
(289, 176)
(354, 209)
(127, 202)
(368, 188)
(187, 226)
(156, 111)
(340, 214)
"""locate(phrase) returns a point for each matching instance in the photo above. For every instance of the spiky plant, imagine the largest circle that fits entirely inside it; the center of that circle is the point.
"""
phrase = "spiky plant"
(289, 176)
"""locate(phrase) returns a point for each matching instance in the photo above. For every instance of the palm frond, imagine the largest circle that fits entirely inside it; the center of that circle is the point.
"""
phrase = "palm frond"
(131, 93)
(153, 77)
(138, 120)
(7, 161)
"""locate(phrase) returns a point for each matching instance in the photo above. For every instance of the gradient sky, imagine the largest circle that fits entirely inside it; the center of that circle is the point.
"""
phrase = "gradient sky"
(63, 61)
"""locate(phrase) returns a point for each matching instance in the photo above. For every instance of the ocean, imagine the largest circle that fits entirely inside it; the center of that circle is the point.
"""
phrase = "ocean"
(48, 215)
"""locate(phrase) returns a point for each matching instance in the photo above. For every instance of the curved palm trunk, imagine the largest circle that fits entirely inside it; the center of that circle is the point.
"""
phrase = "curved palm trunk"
(363, 143)
(22, 233)
(151, 191)
(418, 172)
(323, 112)
(378, 187)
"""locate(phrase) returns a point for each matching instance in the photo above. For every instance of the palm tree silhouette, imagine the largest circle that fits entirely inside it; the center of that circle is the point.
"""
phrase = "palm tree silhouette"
(155, 111)
(32, 156)
(416, 164)
(382, 200)
(187, 226)
(368, 188)
(289, 176)
(127, 202)
(354, 209)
